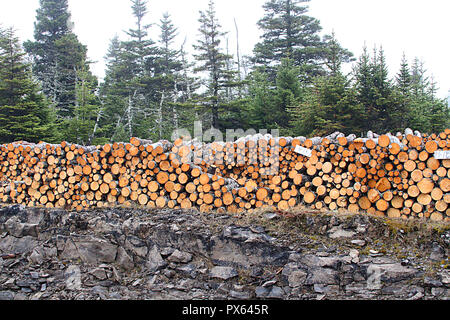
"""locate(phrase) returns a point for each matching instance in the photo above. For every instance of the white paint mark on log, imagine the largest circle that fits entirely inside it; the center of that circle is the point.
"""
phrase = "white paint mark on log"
(303, 151)
(442, 155)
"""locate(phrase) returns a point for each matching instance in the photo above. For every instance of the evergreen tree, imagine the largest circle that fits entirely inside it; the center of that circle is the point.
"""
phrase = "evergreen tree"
(335, 55)
(374, 90)
(212, 60)
(168, 79)
(260, 96)
(127, 94)
(138, 56)
(269, 105)
(113, 93)
(427, 114)
(24, 112)
(289, 33)
(188, 100)
(71, 60)
(288, 92)
(330, 105)
(82, 128)
(404, 78)
(57, 55)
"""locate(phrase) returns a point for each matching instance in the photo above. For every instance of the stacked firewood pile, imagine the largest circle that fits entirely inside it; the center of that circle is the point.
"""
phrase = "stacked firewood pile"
(403, 176)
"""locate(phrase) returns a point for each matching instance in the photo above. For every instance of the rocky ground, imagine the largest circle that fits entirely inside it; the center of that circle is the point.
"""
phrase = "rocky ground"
(138, 254)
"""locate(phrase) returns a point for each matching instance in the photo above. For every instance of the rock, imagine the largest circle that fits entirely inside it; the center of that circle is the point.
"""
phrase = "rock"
(36, 257)
(24, 283)
(240, 295)
(445, 278)
(115, 296)
(11, 244)
(6, 295)
(313, 261)
(417, 296)
(337, 233)
(271, 216)
(261, 292)
(276, 293)
(136, 246)
(437, 253)
(165, 252)
(245, 235)
(389, 272)
(322, 276)
(19, 230)
(256, 272)
(20, 296)
(180, 257)
(94, 251)
(123, 260)
(100, 291)
(169, 273)
(188, 269)
(358, 242)
(154, 260)
(430, 282)
(269, 283)
(437, 292)
(295, 257)
(224, 273)
(73, 278)
(382, 260)
(327, 289)
(37, 296)
(297, 278)
(99, 273)
(354, 254)
(9, 283)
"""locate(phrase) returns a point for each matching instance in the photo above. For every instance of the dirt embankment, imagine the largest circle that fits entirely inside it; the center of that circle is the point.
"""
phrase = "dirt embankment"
(174, 254)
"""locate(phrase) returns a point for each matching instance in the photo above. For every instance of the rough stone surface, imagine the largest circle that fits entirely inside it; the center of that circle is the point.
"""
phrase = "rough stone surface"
(224, 273)
(131, 254)
(180, 257)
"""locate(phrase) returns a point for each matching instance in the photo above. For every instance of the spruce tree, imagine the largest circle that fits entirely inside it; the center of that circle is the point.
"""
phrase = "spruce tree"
(427, 113)
(257, 114)
(370, 76)
(24, 112)
(113, 93)
(328, 106)
(404, 78)
(212, 60)
(57, 55)
(288, 32)
(168, 79)
(82, 128)
(128, 92)
(268, 106)
(335, 55)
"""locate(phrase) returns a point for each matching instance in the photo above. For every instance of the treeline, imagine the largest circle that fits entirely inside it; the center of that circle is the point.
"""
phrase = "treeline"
(294, 81)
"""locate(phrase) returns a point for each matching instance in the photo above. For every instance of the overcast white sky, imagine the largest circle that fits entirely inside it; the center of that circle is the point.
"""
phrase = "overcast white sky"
(418, 28)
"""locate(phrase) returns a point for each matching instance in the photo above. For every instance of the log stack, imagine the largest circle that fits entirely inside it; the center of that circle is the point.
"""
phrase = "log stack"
(386, 175)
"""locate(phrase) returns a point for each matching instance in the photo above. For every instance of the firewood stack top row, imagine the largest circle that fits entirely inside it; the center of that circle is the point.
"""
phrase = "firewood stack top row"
(401, 176)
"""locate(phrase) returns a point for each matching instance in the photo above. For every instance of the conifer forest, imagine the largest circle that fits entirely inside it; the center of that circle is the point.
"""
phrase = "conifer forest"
(293, 81)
